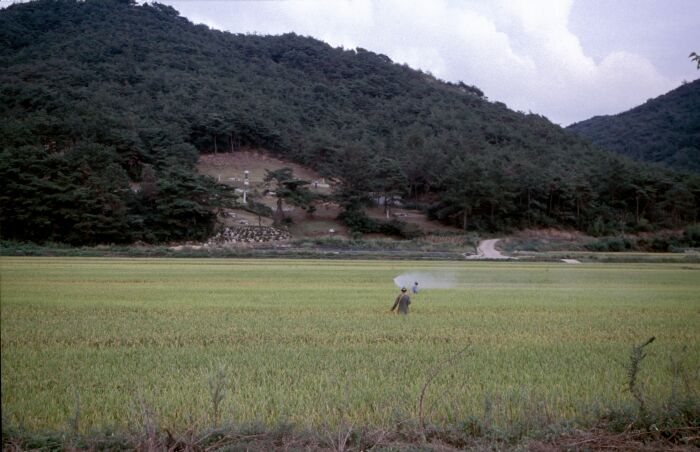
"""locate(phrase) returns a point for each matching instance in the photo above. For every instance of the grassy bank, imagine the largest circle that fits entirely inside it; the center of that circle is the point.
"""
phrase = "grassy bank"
(448, 249)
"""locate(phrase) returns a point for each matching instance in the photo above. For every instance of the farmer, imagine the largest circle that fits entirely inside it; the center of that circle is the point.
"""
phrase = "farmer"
(402, 301)
(414, 289)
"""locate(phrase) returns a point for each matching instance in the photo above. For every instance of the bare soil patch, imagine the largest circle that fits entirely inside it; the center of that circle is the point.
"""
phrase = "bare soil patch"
(228, 168)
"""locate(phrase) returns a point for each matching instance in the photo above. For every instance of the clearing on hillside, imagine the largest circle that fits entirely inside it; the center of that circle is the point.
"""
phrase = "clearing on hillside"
(229, 168)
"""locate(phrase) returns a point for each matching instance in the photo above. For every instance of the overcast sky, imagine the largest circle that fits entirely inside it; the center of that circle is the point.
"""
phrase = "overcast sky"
(566, 59)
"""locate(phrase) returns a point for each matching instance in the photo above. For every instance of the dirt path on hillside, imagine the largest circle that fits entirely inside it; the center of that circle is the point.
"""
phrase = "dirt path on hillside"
(487, 250)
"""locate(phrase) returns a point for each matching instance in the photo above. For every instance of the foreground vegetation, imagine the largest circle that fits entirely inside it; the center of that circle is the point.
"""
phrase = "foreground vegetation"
(190, 345)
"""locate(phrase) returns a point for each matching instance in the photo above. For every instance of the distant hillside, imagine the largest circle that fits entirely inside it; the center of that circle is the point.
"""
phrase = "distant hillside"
(663, 130)
(98, 97)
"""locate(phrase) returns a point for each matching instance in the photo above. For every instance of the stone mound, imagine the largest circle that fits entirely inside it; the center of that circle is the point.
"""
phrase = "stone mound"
(249, 234)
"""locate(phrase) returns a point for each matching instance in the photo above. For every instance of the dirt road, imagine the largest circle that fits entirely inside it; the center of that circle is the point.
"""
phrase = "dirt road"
(487, 250)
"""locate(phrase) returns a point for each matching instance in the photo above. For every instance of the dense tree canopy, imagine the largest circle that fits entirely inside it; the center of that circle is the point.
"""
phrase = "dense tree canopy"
(664, 130)
(106, 106)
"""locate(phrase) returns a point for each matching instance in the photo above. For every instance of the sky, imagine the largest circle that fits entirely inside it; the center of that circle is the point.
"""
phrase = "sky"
(568, 60)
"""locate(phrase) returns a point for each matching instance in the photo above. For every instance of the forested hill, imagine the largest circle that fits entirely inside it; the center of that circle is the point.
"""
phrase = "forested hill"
(99, 96)
(665, 129)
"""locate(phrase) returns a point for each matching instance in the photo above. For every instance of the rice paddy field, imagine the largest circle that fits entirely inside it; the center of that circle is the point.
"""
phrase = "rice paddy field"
(311, 342)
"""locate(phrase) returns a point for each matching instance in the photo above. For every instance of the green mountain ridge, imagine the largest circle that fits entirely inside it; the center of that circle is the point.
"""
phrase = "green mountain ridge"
(664, 130)
(98, 96)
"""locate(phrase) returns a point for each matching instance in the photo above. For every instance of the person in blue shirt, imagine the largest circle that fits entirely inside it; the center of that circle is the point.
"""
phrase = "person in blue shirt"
(415, 287)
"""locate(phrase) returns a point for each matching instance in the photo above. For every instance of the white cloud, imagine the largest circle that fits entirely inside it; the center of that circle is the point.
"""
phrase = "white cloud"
(521, 52)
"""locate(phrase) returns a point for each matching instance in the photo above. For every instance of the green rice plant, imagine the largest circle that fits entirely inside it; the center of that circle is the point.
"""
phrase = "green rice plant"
(636, 357)
(312, 346)
(74, 421)
(218, 382)
(434, 373)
